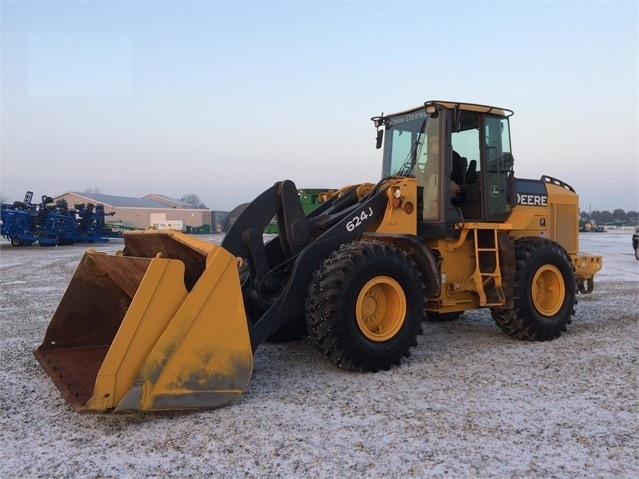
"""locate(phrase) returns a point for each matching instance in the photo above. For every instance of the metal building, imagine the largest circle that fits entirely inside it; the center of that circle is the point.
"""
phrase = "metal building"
(152, 210)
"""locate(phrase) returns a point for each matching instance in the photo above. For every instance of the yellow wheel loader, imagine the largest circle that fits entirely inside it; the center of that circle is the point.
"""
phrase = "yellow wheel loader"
(171, 322)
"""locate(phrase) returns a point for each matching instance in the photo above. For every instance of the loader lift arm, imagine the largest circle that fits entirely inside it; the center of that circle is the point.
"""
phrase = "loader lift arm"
(275, 275)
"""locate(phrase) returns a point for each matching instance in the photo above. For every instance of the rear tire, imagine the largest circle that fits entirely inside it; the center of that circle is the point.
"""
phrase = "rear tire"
(365, 305)
(544, 292)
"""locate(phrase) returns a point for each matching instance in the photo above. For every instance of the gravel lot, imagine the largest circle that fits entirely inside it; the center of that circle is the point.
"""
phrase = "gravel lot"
(469, 402)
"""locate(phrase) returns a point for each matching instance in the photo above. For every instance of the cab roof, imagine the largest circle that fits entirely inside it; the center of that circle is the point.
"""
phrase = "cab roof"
(451, 105)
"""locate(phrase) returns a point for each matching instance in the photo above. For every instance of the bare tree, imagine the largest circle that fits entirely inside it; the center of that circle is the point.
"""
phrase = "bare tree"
(194, 200)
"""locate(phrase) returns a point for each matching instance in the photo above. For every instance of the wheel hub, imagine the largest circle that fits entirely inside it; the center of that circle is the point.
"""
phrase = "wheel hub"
(548, 290)
(381, 308)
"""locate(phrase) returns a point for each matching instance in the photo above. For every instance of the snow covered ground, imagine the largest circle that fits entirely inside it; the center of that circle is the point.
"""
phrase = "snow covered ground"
(469, 402)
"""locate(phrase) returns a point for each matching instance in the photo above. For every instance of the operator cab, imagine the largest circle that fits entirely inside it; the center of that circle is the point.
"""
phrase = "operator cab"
(461, 157)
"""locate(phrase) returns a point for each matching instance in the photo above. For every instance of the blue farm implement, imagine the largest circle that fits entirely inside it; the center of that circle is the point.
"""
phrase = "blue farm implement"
(49, 223)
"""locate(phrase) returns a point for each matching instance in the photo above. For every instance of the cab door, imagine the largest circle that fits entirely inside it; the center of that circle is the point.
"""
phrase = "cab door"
(497, 161)
(481, 145)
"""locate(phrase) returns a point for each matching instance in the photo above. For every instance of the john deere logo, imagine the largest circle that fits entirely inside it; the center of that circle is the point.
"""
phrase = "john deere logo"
(494, 191)
(532, 200)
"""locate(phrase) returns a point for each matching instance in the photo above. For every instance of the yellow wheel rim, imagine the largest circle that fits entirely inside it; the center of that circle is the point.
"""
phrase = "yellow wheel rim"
(548, 290)
(381, 308)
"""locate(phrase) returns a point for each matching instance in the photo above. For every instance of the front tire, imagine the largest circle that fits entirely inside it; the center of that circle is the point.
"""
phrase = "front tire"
(544, 292)
(365, 305)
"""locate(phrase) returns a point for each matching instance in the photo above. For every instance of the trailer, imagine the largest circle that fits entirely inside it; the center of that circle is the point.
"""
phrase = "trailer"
(176, 225)
(52, 223)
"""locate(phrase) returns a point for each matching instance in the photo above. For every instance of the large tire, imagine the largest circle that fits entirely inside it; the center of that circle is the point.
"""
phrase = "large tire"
(544, 292)
(365, 306)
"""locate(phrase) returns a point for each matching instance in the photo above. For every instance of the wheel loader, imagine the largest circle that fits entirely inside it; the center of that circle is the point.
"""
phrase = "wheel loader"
(172, 321)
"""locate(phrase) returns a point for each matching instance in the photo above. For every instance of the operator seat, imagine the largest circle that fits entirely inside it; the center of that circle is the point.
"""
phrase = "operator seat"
(471, 207)
(458, 177)
(460, 166)
(471, 174)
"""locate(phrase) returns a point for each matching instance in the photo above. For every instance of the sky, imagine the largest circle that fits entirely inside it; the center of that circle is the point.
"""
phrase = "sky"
(223, 99)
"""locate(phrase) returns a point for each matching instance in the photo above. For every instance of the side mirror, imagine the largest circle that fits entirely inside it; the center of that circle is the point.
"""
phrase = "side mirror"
(378, 140)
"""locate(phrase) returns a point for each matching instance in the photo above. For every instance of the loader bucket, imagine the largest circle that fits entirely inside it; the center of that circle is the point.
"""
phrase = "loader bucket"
(161, 326)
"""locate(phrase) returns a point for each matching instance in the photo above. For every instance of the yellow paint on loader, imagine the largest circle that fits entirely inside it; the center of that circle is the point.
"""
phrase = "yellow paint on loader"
(157, 299)
(131, 334)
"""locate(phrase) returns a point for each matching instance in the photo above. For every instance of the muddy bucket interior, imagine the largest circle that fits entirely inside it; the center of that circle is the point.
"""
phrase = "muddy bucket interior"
(116, 308)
